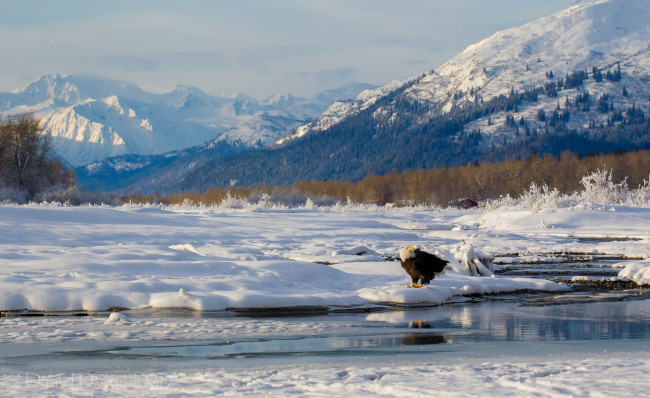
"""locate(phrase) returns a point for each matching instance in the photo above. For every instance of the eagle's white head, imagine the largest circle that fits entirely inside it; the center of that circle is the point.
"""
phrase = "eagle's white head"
(406, 253)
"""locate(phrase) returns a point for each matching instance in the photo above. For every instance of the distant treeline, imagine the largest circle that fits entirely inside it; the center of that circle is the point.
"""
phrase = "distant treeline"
(442, 186)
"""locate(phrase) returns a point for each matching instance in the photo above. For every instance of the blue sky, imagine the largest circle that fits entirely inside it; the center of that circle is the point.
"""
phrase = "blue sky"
(257, 47)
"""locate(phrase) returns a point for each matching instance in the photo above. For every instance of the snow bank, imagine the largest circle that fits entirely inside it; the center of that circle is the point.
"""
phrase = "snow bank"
(66, 259)
(453, 284)
(639, 272)
(266, 284)
(100, 258)
(117, 317)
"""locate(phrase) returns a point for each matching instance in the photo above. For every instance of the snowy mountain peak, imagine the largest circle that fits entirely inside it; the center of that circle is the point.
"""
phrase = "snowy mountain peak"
(113, 103)
(52, 86)
(602, 33)
(187, 97)
(278, 99)
(599, 33)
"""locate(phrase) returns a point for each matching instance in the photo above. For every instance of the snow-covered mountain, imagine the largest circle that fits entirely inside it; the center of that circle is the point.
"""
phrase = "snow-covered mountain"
(603, 33)
(338, 110)
(577, 80)
(90, 119)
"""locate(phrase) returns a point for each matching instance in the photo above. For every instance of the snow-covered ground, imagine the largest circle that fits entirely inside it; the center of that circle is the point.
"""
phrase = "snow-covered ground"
(70, 259)
(57, 258)
(610, 375)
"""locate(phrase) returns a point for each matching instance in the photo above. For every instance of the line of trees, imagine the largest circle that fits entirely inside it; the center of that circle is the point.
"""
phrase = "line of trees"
(27, 162)
(443, 186)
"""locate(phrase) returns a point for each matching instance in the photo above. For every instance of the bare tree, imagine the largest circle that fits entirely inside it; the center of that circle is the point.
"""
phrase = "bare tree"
(26, 158)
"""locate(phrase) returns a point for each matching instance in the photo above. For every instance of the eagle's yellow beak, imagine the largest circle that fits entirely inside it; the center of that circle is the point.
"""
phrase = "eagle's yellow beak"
(409, 248)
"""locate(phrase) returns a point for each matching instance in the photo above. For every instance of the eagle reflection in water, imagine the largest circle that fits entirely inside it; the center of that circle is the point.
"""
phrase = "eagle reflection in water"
(422, 338)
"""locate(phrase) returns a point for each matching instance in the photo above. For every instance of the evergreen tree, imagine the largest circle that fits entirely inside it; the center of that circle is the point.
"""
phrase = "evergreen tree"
(603, 104)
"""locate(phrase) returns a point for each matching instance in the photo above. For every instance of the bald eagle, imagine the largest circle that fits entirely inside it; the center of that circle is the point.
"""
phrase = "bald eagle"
(421, 265)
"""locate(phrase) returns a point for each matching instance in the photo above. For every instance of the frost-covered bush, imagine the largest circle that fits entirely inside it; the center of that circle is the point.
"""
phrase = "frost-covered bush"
(12, 196)
(309, 204)
(537, 198)
(502, 201)
(265, 202)
(349, 206)
(598, 188)
(276, 200)
(231, 202)
(74, 196)
(639, 197)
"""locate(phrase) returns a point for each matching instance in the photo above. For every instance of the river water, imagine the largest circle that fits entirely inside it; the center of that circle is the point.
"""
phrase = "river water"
(524, 323)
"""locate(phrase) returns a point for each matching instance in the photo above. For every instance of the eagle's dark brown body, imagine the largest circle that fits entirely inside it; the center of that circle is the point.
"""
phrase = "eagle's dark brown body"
(421, 266)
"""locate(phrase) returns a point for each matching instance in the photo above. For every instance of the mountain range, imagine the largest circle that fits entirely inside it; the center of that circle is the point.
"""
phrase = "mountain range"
(90, 119)
(576, 80)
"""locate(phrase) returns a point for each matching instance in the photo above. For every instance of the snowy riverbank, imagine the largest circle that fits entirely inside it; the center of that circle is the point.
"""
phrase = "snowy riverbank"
(58, 258)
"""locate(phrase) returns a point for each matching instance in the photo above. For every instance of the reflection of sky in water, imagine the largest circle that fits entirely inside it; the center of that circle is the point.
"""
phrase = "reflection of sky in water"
(452, 325)
(513, 322)
(475, 330)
